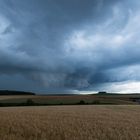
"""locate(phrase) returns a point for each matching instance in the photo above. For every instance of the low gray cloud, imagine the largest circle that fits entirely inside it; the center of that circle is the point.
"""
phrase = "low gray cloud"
(68, 45)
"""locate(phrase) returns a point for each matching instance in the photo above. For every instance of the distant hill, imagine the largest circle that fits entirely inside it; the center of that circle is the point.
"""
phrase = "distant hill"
(102, 92)
(9, 92)
(59, 94)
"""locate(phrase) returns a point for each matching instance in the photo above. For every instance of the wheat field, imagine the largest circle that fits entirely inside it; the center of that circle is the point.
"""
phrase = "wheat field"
(70, 123)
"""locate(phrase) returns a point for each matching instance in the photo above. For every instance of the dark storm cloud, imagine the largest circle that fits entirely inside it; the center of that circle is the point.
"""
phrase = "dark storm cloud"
(64, 44)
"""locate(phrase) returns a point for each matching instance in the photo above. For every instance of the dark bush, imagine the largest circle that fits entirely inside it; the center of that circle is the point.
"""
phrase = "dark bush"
(30, 102)
(82, 102)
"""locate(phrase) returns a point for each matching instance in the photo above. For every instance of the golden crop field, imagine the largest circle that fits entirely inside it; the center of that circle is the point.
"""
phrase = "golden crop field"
(88, 122)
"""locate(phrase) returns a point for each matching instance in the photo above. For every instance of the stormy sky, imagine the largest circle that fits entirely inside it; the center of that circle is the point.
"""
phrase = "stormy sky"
(70, 45)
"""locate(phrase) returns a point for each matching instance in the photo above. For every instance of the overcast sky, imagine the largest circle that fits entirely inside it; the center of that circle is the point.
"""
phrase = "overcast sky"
(70, 45)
